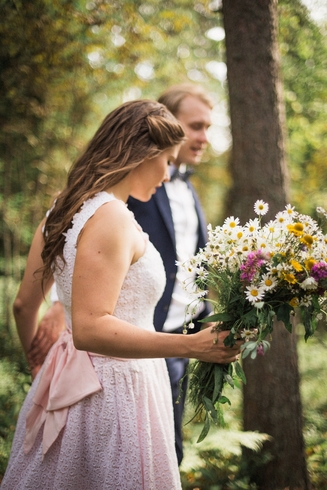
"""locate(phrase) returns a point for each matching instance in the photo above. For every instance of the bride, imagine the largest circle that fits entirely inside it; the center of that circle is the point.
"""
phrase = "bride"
(99, 413)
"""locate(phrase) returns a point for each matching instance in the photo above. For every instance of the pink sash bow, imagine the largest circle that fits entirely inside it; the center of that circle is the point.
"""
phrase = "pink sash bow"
(68, 376)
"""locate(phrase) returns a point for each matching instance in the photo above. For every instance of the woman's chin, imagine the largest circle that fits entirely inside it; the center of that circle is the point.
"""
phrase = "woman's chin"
(143, 197)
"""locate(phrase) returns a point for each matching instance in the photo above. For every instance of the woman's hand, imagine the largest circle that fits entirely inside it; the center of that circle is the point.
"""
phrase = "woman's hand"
(210, 347)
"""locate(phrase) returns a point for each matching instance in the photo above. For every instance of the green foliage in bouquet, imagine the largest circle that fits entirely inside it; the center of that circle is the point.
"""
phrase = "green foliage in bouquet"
(206, 387)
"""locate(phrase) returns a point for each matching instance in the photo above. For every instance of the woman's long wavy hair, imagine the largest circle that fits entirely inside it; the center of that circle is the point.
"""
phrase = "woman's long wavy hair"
(128, 135)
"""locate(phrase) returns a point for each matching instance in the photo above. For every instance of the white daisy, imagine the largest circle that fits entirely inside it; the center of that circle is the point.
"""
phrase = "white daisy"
(268, 282)
(306, 301)
(254, 293)
(322, 211)
(248, 334)
(231, 222)
(261, 207)
(283, 219)
(290, 209)
(202, 273)
(253, 225)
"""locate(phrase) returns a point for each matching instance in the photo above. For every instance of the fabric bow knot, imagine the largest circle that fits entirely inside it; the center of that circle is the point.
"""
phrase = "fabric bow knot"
(177, 174)
(68, 376)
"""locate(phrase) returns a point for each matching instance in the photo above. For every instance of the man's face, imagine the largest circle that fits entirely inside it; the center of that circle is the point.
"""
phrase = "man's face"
(195, 117)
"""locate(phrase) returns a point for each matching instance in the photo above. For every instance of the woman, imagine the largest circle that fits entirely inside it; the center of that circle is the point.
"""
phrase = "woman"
(99, 413)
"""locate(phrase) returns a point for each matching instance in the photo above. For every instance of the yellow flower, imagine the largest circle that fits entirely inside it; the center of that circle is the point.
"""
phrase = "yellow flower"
(296, 229)
(296, 265)
(289, 277)
(309, 263)
(307, 240)
(294, 302)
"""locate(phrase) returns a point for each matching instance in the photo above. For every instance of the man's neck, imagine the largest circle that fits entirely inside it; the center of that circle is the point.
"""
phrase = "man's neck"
(181, 167)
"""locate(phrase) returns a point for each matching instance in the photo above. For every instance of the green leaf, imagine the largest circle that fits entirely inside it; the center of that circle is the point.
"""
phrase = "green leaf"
(239, 371)
(210, 408)
(228, 378)
(224, 399)
(283, 315)
(254, 354)
(309, 325)
(217, 317)
(248, 346)
(245, 353)
(205, 429)
(251, 317)
(218, 377)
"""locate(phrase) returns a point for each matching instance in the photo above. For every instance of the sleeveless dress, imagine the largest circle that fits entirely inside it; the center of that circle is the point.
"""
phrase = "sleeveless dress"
(120, 436)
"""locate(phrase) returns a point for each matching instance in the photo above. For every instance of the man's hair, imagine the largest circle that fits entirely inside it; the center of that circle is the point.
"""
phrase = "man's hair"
(173, 96)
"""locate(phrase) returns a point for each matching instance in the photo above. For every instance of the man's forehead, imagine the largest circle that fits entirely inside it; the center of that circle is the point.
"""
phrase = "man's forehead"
(195, 110)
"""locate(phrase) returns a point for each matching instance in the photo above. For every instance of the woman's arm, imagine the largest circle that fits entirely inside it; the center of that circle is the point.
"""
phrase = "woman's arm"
(30, 295)
(108, 245)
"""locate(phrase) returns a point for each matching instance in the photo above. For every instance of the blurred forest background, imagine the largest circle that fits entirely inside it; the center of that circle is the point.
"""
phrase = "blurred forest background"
(64, 65)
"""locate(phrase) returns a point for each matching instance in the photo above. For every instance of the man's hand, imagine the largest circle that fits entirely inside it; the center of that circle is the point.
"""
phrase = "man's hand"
(50, 327)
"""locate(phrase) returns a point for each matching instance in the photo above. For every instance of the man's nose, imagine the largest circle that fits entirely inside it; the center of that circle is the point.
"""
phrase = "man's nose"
(203, 136)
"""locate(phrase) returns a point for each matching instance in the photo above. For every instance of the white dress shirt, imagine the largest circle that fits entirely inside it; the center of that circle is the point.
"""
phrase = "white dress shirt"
(186, 224)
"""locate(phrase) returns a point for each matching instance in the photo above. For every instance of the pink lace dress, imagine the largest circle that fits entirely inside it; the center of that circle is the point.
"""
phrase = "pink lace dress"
(99, 423)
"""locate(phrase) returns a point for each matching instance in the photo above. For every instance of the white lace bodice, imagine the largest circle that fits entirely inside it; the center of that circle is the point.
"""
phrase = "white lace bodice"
(144, 282)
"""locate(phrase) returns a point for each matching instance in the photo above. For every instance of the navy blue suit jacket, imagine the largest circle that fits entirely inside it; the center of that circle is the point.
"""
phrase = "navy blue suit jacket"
(155, 218)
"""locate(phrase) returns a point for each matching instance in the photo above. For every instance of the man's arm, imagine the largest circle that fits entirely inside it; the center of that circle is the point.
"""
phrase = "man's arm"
(49, 329)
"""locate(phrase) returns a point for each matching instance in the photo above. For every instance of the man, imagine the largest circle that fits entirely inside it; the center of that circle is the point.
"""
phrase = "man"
(175, 223)
(176, 226)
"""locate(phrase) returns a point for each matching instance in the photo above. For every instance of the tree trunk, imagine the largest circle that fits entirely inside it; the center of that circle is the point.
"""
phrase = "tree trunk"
(257, 164)
(272, 401)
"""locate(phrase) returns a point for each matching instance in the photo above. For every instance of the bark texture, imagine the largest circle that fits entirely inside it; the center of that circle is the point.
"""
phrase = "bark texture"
(257, 113)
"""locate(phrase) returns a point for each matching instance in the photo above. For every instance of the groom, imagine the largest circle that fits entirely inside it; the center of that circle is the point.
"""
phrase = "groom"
(175, 223)
(174, 220)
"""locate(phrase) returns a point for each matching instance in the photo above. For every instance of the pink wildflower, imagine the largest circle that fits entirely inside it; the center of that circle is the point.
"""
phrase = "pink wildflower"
(252, 264)
(260, 350)
(319, 271)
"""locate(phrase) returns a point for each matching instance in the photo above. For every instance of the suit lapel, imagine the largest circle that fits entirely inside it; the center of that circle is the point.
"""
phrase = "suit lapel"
(162, 201)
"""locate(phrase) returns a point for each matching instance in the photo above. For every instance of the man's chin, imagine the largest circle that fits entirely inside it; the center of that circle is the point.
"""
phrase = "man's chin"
(194, 161)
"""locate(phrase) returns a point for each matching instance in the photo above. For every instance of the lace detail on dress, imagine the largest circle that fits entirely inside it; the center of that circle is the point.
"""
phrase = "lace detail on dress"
(140, 290)
(63, 276)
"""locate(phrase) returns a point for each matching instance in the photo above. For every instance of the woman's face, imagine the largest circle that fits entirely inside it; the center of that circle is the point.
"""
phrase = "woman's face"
(151, 173)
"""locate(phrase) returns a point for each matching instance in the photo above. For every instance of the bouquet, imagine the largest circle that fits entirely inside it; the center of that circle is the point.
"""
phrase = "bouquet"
(256, 273)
